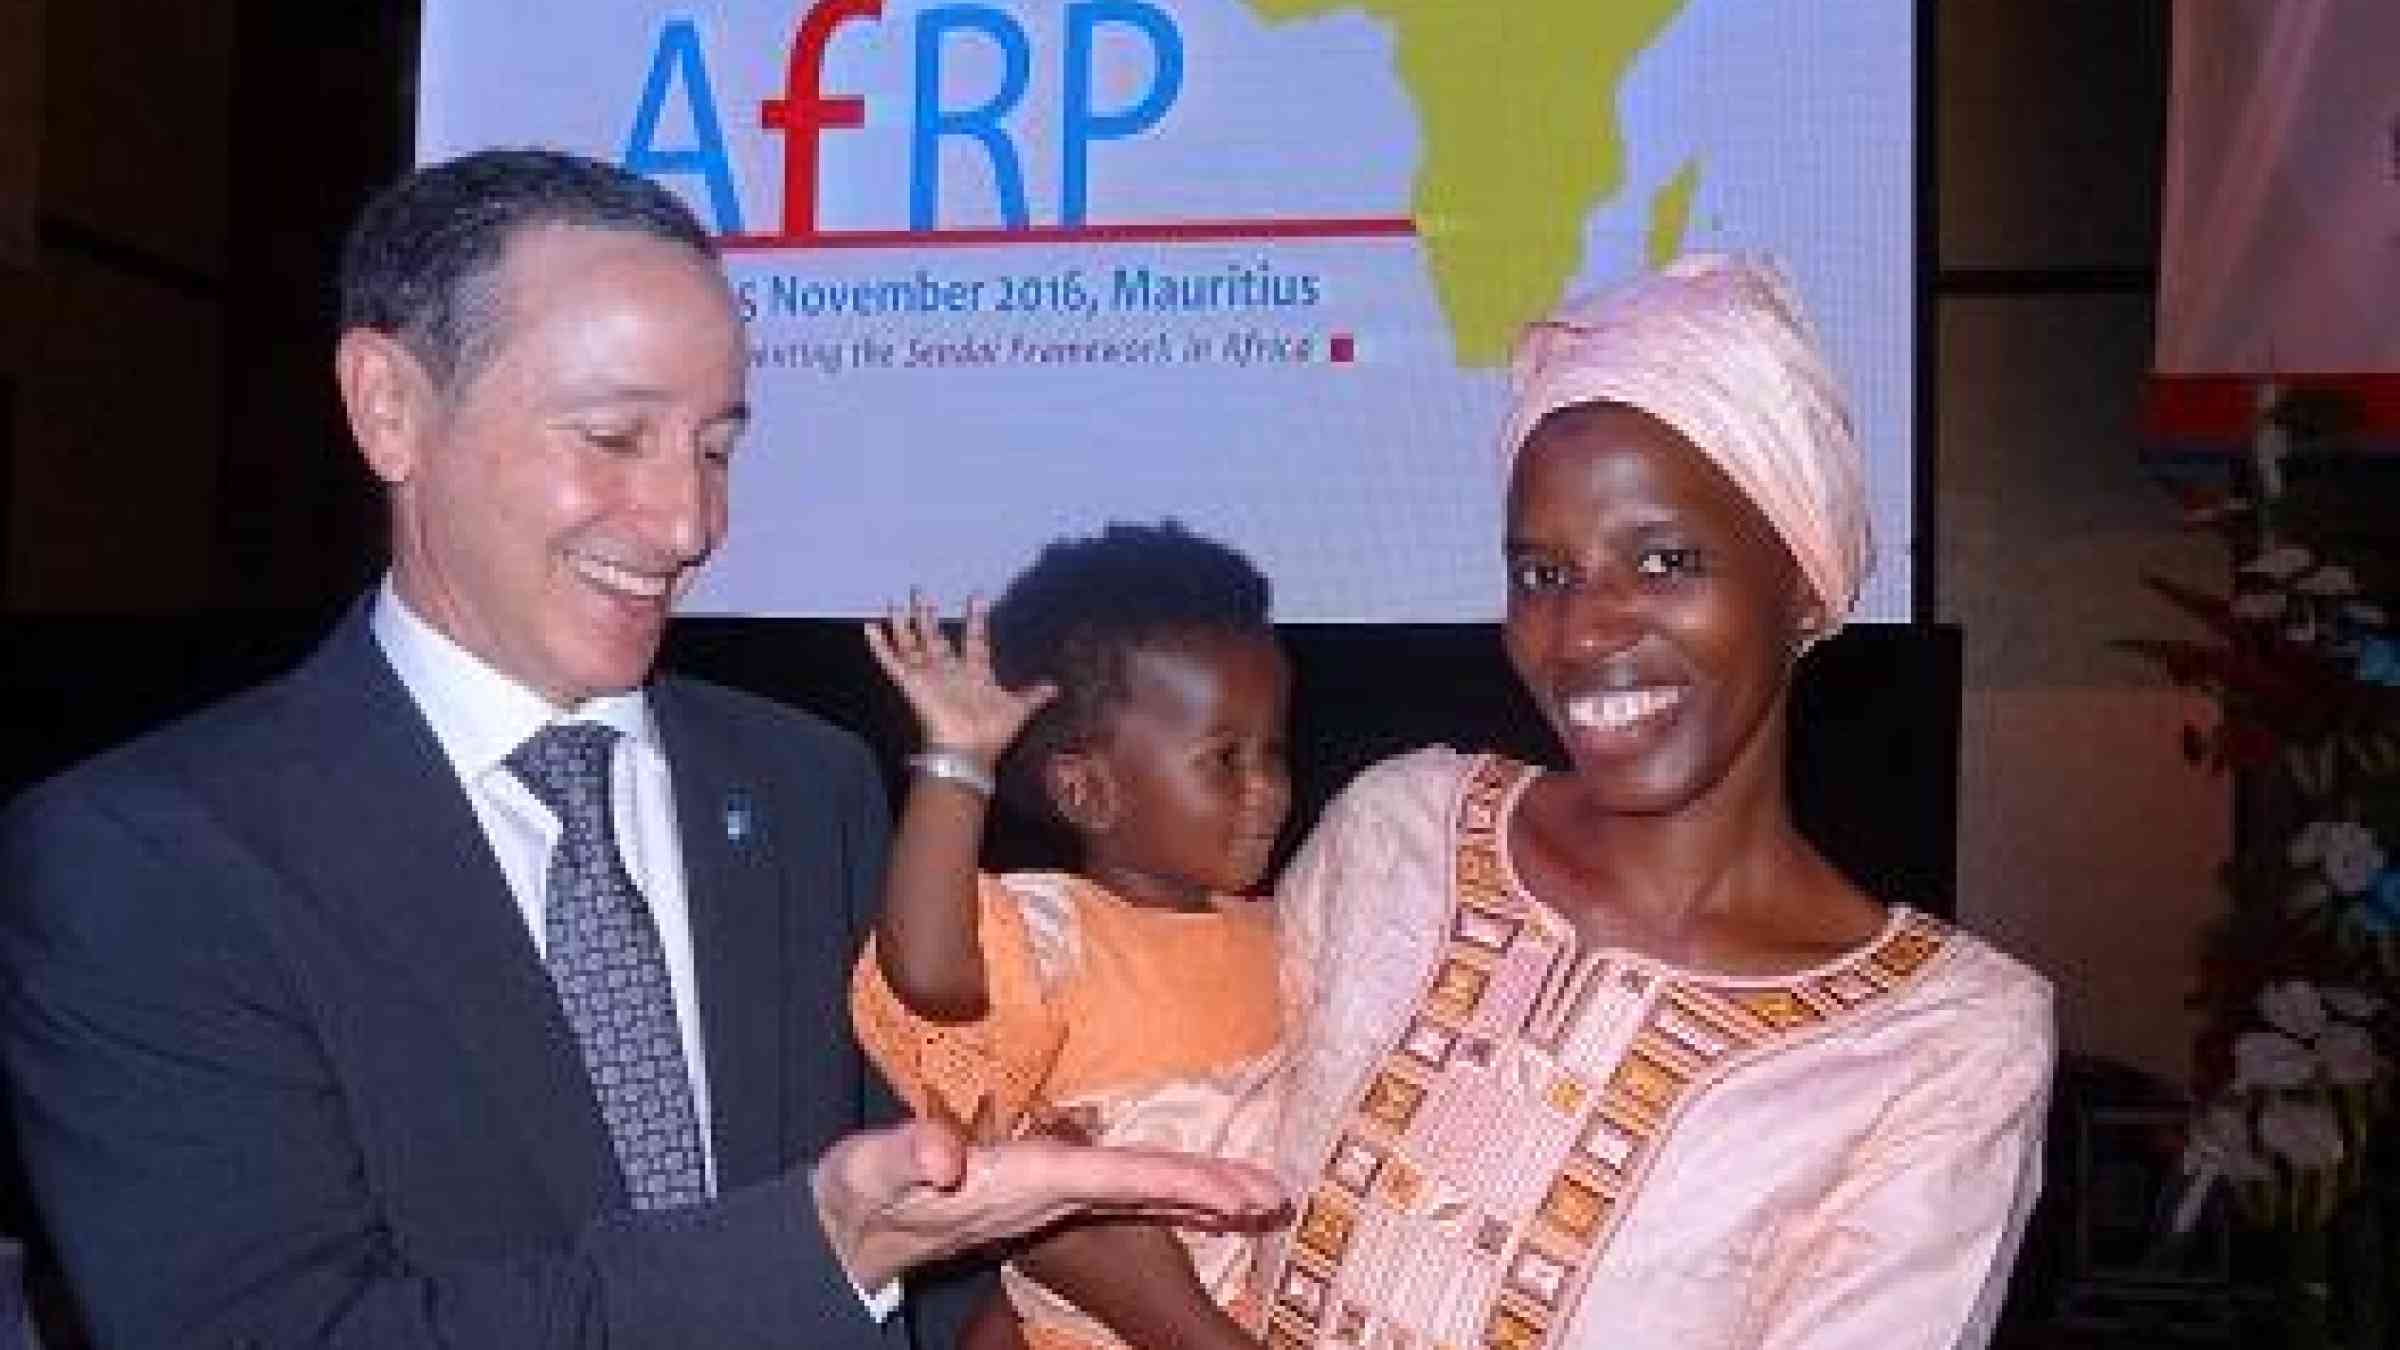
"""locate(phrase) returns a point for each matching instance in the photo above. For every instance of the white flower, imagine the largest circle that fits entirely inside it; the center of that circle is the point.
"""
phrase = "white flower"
(2331, 579)
(2304, 1133)
(2219, 1149)
(2259, 604)
(2281, 564)
(2349, 1054)
(2270, 1059)
(2344, 848)
(2293, 1006)
(2355, 1004)
(2220, 1142)
(2352, 857)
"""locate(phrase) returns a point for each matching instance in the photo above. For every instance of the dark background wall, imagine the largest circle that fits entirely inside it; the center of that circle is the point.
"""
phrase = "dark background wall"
(2084, 844)
(174, 445)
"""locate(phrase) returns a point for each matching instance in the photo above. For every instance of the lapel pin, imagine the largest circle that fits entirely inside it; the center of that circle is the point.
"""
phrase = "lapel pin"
(739, 819)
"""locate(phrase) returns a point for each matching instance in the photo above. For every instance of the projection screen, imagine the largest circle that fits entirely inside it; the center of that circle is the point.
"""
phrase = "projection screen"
(1014, 269)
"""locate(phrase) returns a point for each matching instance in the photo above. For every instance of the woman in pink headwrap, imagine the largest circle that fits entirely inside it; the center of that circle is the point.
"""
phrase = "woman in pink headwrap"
(1612, 1057)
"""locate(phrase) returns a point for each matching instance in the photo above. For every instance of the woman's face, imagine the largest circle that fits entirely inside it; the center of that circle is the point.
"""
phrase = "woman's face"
(1651, 609)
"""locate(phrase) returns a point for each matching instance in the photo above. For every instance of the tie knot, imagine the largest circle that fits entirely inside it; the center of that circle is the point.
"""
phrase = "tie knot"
(566, 766)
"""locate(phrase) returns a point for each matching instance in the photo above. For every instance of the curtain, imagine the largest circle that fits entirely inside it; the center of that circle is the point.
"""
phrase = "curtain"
(2281, 240)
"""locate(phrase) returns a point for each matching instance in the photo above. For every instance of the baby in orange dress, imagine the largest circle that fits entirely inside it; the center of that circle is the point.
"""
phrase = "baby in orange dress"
(1129, 689)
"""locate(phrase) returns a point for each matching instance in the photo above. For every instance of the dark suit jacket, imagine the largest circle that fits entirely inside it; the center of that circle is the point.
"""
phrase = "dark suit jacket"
(287, 1070)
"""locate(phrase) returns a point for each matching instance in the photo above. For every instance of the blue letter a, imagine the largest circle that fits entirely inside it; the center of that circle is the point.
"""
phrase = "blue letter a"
(679, 51)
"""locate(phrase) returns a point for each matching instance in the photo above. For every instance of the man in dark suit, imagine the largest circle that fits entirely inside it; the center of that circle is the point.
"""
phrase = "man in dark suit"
(469, 985)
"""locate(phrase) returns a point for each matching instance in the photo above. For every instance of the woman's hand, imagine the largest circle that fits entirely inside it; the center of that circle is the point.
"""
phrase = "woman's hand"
(959, 704)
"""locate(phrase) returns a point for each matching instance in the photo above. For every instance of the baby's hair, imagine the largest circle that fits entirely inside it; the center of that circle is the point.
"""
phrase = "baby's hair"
(1077, 614)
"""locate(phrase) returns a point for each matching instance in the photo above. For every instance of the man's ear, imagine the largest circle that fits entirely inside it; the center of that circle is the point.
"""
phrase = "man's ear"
(388, 398)
(1082, 791)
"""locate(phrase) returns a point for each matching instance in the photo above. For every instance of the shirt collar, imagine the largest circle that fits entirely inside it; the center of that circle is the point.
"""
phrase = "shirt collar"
(478, 714)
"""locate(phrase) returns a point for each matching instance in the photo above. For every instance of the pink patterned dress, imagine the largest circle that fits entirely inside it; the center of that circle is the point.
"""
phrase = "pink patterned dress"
(1500, 1140)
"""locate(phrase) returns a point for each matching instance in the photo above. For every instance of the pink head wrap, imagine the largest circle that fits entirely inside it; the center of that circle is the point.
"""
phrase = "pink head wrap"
(1716, 347)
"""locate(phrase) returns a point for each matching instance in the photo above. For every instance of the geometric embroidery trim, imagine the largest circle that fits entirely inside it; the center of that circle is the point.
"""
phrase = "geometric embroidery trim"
(1693, 1033)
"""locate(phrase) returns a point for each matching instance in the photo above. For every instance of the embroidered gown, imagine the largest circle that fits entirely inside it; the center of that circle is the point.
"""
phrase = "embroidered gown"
(1500, 1142)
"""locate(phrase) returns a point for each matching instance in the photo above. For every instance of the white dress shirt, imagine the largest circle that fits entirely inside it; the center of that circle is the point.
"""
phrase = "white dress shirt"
(480, 715)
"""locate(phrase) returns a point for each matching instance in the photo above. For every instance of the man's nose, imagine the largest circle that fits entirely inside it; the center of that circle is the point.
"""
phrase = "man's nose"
(684, 498)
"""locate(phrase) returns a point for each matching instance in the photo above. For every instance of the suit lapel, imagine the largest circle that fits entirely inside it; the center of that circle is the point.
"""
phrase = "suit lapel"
(420, 873)
(731, 884)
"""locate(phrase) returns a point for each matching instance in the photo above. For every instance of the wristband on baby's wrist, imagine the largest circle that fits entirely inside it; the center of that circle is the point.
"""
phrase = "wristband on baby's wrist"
(953, 766)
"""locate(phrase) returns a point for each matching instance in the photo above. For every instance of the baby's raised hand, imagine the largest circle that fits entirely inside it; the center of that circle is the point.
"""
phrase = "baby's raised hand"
(959, 703)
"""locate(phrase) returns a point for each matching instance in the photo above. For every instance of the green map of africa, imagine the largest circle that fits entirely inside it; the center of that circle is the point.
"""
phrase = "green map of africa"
(1518, 107)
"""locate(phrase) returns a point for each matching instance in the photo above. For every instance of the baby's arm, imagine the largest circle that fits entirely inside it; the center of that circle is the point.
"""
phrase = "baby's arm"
(925, 938)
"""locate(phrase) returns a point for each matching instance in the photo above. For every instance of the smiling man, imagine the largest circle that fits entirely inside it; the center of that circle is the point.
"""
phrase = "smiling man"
(470, 985)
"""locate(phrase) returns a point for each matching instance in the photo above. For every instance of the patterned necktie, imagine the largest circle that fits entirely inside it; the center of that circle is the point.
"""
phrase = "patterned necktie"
(604, 957)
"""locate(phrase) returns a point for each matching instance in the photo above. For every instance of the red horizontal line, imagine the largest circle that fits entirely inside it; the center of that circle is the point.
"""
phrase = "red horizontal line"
(1146, 232)
(2198, 449)
(2213, 406)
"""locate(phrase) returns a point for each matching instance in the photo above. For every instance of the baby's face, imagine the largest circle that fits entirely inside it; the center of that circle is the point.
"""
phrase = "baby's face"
(1193, 765)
